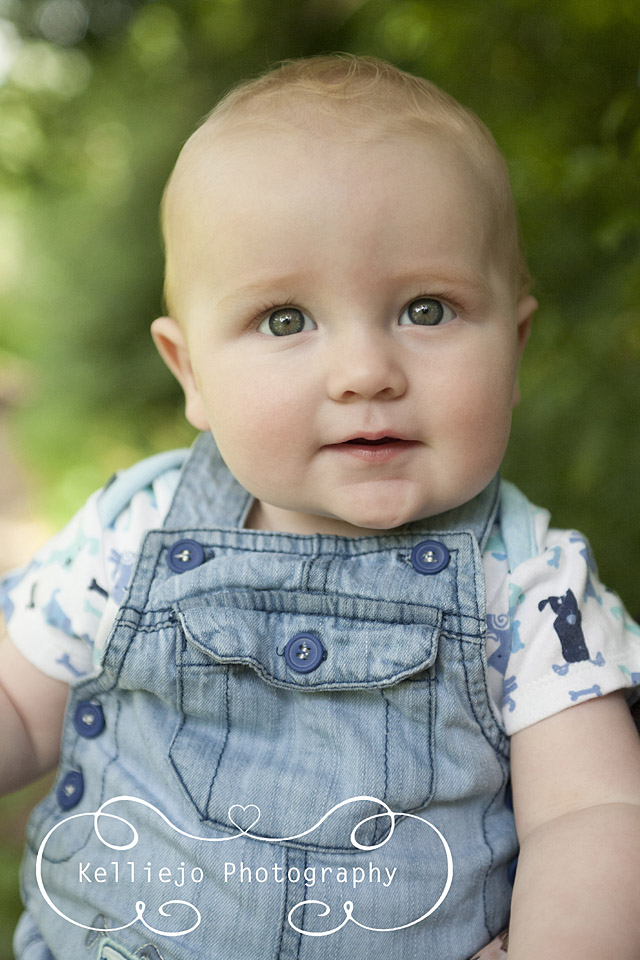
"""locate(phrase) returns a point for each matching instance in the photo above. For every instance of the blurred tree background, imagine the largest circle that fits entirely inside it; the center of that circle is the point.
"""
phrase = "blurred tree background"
(96, 98)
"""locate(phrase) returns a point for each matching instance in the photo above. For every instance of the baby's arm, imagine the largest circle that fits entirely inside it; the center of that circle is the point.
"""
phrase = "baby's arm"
(576, 788)
(31, 713)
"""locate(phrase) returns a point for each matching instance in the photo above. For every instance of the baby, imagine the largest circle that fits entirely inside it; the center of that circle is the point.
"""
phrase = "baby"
(326, 673)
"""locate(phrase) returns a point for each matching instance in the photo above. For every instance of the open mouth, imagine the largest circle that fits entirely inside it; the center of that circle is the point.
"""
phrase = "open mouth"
(373, 450)
(374, 443)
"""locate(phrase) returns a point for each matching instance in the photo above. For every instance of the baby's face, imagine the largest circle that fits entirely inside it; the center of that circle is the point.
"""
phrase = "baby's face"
(348, 333)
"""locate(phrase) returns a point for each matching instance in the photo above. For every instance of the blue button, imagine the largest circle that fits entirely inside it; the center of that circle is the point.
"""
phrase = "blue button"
(304, 652)
(429, 556)
(88, 718)
(70, 789)
(185, 555)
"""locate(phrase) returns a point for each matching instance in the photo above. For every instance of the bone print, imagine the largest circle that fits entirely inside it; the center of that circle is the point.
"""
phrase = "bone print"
(94, 585)
(576, 694)
(509, 686)
(65, 661)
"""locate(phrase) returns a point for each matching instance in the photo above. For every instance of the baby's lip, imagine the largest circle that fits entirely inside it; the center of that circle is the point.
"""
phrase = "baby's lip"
(376, 438)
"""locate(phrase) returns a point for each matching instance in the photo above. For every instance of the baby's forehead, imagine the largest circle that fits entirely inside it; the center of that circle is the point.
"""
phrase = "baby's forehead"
(226, 150)
(229, 154)
(347, 104)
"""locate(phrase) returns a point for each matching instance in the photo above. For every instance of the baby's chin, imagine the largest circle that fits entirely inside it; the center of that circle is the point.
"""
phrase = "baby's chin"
(390, 515)
(383, 515)
(356, 521)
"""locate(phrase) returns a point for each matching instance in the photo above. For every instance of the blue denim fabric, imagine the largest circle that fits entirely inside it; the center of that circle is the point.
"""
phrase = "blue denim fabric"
(205, 721)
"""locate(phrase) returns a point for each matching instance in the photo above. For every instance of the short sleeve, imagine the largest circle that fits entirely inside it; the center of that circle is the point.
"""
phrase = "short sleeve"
(51, 606)
(60, 607)
(571, 638)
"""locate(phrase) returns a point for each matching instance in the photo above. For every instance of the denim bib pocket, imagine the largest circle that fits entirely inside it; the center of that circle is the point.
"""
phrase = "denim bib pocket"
(254, 731)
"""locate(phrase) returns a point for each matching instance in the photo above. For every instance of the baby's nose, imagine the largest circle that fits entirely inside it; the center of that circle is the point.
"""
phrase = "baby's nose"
(365, 368)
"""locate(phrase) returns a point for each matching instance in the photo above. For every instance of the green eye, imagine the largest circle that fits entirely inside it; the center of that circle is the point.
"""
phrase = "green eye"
(285, 321)
(427, 312)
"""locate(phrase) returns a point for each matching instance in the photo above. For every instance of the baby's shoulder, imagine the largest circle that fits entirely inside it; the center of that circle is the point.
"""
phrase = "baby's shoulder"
(570, 637)
(59, 607)
(530, 540)
(155, 478)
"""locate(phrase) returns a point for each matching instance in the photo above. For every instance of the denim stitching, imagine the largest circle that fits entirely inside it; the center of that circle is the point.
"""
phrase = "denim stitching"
(176, 769)
(203, 814)
(403, 553)
(402, 604)
(378, 825)
(386, 745)
(284, 900)
(486, 840)
(226, 737)
(440, 611)
(174, 739)
(485, 908)
(325, 580)
(153, 628)
(304, 910)
(485, 812)
(499, 747)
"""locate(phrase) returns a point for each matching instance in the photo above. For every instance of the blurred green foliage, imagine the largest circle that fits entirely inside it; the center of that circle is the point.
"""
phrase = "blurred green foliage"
(96, 98)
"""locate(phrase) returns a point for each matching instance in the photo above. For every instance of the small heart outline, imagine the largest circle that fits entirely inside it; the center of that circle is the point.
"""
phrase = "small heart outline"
(239, 806)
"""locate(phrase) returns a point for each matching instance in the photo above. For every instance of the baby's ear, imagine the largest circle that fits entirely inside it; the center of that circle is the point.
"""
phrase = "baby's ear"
(171, 343)
(526, 308)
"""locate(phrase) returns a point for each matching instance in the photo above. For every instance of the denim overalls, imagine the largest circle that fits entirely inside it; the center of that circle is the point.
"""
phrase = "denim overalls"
(266, 703)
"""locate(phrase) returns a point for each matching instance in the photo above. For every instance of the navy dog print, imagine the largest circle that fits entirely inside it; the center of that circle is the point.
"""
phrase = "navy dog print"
(568, 626)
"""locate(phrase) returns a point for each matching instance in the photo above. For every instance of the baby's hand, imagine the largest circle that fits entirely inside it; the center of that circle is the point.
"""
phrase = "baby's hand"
(496, 950)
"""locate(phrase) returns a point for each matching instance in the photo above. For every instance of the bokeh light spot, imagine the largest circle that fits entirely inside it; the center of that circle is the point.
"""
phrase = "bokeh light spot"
(63, 21)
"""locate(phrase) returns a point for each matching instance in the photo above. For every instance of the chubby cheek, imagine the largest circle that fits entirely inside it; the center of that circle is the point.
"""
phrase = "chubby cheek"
(253, 421)
(480, 414)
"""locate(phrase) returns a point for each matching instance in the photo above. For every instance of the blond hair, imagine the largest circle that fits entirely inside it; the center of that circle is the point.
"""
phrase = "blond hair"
(355, 95)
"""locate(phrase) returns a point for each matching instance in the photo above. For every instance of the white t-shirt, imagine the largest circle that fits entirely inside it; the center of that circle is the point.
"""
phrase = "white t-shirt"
(541, 619)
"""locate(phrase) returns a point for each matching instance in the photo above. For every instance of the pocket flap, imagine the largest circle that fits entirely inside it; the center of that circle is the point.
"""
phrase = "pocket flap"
(366, 642)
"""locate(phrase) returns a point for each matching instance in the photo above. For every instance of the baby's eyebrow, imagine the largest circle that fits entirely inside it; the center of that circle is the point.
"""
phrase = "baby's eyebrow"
(471, 284)
(468, 282)
(266, 287)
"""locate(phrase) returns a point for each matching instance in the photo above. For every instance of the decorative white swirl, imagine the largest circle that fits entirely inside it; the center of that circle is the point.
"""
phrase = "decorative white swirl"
(140, 905)
(347, 906)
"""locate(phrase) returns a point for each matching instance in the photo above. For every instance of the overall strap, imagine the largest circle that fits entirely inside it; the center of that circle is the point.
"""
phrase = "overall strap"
(477, 516)
(207, 495)
(517, 525)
